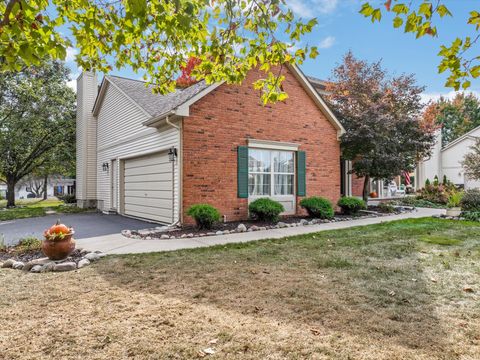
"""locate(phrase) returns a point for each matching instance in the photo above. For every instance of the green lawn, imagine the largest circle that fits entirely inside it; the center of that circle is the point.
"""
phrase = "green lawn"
(34, 207)
(402, 290)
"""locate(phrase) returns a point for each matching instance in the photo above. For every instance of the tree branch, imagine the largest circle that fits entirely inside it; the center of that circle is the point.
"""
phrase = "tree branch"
(6, 16)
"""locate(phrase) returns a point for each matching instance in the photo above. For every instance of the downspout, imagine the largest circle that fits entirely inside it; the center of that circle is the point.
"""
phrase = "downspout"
(167, 120)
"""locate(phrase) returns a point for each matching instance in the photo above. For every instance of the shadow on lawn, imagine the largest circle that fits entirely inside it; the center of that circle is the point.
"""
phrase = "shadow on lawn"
(364, 284)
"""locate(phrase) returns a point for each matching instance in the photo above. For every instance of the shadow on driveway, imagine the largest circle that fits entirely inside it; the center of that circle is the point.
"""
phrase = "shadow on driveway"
(86, 225)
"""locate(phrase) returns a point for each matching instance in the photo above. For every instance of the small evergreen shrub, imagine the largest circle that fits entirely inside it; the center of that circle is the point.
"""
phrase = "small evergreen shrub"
(265, 209)
(68, 198)
(386, 207)
(205, 215)
(318, 207)
(471, 200)
(351, 205)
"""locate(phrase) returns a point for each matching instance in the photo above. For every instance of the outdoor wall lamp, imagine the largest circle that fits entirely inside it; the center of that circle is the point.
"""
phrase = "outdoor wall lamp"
(172, 153)
(105, 166)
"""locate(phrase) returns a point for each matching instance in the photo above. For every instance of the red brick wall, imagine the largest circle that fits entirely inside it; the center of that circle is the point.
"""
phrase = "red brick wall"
(227, 117)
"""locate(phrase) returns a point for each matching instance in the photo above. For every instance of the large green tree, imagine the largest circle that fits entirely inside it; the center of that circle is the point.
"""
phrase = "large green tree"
(384, 136)
(459, 58)
(37, 120)
(456, 116)
(229, 37)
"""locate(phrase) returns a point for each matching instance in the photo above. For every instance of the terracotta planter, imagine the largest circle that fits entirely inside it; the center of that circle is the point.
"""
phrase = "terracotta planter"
(60, 249)
(455, 211)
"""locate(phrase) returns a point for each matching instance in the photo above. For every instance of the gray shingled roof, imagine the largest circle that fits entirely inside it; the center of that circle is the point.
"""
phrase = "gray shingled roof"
(155, 104)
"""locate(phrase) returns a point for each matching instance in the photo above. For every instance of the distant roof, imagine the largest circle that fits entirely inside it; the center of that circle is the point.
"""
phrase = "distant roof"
(318, 84)
(155, 104)
(468, 135)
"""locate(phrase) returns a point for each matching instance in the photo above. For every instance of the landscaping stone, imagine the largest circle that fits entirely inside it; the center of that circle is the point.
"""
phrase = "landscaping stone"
(241, 228)
(8, 263)
(29, 265)
(18, 265)
(219, 232)
(94, 256)
(82, 263)
(183, 236)
(303, 222)
(164, 236)
(48, 267)
(253, 228)
(84, 252)
(36, 268)
(126, 233)
(190, 235)
(66, 266)
(148, 238)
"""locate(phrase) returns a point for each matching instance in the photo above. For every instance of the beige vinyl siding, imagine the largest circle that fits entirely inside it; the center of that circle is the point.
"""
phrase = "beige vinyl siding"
(86, 137)
(121, 136)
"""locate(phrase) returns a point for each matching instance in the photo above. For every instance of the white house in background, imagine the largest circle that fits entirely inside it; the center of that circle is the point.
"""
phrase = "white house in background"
(447, 161)
(56, 185)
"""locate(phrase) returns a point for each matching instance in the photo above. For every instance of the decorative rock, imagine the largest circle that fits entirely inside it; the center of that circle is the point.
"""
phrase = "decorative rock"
(66, 266)
(36, 268)
(219, 232)
(241, 228)
(47, 267)
(164, 236)
(94, 256)
(303, 222)
(210, 233)
(32, 263)
(190, 235)
(148, 238)
(144, 232)
(262, 228)
(183, 236)
(282, 225)
(226, 232)
(126, 233)
(8, 263)
(1, 264)
(172, 237)
(18, 265)
(82, 263)
(84, 252)
(253, 228)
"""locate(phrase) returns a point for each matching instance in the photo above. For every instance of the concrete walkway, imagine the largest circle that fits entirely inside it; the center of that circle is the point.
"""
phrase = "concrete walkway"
(118, 244)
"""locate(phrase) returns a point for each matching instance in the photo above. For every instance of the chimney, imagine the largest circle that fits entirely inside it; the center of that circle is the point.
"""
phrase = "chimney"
(86, 188)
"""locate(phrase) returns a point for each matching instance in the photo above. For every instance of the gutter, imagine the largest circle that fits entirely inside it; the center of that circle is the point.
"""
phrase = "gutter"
(156, 119)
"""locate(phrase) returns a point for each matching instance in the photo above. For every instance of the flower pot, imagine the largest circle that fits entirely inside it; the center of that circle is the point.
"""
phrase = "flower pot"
(454, 212)
(373, 194)
(59, 249)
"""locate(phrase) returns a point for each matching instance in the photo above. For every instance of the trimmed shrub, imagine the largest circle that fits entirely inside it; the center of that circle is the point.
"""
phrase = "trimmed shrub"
(471, 200)
(68, 198)
(438, 194)
(318, 207)
(351, 205)
(205, 215)
(386, 207)
(265, 209)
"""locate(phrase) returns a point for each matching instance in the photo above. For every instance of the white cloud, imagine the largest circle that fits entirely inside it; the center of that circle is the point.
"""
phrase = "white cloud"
(426, 97)
(312, 8)
(327, 42)
(71, 52)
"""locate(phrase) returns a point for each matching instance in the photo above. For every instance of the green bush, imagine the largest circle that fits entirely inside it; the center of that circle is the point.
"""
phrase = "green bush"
(351, 205)
(438, 194)
(318, 207)
(68, 198)
(471, 200)
(265, 209)
(455, 199)
(471, 215)
(205, 215)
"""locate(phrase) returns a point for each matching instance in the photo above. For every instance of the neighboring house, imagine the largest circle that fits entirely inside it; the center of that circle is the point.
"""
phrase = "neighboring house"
(30, 188)
(447, 161)
(149, 156)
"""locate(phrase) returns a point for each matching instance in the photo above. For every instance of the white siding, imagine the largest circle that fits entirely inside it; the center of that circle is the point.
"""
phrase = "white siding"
(452, 158)
(121, 135)
(86, 137)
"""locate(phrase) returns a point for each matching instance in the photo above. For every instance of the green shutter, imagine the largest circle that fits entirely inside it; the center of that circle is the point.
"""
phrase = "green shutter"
(242, 177)
(301, 174)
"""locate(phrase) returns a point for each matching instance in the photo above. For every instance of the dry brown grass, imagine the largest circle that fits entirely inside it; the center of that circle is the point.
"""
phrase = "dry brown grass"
(347, 294)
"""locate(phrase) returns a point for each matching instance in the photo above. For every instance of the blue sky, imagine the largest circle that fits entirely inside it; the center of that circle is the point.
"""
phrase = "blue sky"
(341, 28)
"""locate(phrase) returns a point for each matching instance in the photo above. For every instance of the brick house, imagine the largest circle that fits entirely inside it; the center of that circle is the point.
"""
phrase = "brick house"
(152, 157)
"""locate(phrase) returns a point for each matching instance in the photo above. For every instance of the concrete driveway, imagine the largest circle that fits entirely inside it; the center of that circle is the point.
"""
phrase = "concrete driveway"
(86, 225)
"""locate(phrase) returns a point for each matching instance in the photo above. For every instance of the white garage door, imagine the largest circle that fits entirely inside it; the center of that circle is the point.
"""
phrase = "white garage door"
(148, 188)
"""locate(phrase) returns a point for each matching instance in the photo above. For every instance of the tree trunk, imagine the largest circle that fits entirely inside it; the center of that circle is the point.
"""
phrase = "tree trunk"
(45, 195)
(11, 192)
(366, 188)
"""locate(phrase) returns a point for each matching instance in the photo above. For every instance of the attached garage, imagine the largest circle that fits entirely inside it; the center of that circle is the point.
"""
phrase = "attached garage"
(148, 188)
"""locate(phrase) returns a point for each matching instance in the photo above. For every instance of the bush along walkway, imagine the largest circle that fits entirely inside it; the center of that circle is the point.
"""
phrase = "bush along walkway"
(119, 244)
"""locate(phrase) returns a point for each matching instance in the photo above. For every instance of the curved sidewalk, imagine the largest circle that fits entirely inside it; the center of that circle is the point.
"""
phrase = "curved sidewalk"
(118, 244)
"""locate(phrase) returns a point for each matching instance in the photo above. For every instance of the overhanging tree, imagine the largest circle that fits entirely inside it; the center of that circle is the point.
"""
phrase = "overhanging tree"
(460, 58)
(384, 136)
(37, 118)
(228, 37)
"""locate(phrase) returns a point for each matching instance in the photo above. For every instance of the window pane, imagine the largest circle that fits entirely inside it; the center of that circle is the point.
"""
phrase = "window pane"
(258, 160)
(283, 161)
(259, 184)
(284, 184)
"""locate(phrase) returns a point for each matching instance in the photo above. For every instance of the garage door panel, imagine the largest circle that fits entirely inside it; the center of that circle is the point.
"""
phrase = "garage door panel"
(148, 185)
(148, 188)
(142, 200)
(167, 176)
(147, 161)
